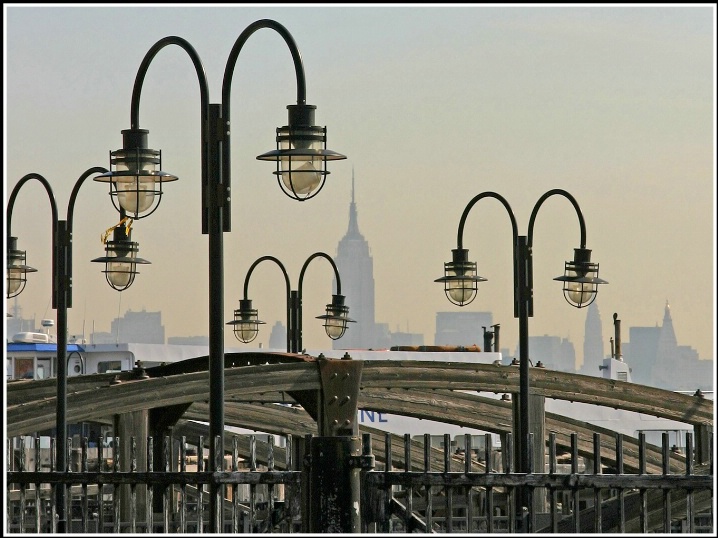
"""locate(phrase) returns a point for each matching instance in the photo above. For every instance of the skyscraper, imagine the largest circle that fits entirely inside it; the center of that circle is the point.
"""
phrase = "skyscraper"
(356, 270)
(592, 341)
(666, 362)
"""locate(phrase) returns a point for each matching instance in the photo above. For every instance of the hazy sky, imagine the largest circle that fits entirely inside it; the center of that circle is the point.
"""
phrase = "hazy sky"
(432, 105)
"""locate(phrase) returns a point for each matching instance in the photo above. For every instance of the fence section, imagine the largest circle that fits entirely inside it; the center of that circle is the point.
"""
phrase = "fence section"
(473, 490)
(107, 495)
(599, 497)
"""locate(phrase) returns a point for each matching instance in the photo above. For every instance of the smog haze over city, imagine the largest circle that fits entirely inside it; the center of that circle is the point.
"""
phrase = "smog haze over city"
(432, 105)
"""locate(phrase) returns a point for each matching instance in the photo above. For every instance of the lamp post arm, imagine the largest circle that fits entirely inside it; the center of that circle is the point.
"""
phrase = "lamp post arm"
(144, 66)
(256, 263)
(288, 287)
(298, 336)
(53, 208)
(223, 128)
(571, 199)
(330, 260)
(465, 214)
(239, 43)
(16, 191)
(76, 189)
(64, 238)
(515, 238)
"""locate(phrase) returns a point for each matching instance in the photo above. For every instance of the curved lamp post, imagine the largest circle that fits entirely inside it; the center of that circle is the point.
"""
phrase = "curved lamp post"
(246, 322)
(580, 285)
(136, 183)
(62, 296)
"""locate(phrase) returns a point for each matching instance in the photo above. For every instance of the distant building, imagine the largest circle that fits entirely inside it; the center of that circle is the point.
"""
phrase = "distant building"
(640, 352)
(406, 339)
(18, 324)
(656, 359)
(188, 340)
(356, 270)
(554, 352)
(593, 353)
(134, 327)
(278, 337)
(461, 328)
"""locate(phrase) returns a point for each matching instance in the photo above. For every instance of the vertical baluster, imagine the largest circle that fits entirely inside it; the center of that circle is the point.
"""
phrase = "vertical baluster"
(597, 492)
(574, 472)
(429, 495)
(38, 499)
(183, 486)
(510, 491)
(552, 466)
(200, 485)
(67, 484)
(218, 468)
(531, 515)
(447, 489)
(252, 487)
(621, 491)
(386, 524)
(690, 517)
(289, 491)
(167, 490)
(408, 489)
(149, 516)
(133, 486)
(489, 489)
(102, 467)
(469, 490)
(642, 470)
(235, 486)
(666, 492)
(365, 500)
(270, 487)
(84, 468)
(23, 486)
(116, 489)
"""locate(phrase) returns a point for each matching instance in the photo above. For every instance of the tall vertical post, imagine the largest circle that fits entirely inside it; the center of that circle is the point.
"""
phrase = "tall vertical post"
(294, 322)
(524, 292)
(62, 253)
(215, 196)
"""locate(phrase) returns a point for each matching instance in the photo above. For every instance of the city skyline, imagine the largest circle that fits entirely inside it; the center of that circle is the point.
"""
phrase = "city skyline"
(432, 105)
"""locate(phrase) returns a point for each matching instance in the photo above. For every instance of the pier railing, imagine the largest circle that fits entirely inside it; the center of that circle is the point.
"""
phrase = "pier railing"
(265, 488)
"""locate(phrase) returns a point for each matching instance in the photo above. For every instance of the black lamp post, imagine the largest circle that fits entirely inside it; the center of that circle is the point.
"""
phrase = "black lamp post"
(136, 181)
(61, 300)
(246, 324)
(580, 287)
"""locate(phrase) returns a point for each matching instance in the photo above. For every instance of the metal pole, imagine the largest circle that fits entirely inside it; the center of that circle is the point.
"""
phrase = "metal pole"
(216, 311)
(294, 322)
(524, 293)
(61, 247)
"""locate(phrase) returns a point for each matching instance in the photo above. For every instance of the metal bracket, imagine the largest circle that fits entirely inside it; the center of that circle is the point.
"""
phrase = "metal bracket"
(365, 461)
(340, 379)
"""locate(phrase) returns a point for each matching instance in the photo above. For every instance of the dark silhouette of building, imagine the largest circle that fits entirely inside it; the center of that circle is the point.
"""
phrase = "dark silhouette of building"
(356, 269)
(593, 353)
(278, 336)
(656, 359)
(554, 352)
(134, 327)
(461, 328)
(188, 340)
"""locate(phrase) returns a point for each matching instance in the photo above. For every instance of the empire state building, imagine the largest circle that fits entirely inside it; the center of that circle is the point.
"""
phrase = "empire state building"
(356, 270)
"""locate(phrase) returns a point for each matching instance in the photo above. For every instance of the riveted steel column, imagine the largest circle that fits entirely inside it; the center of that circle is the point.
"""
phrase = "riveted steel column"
(334, 475)
(334, 485)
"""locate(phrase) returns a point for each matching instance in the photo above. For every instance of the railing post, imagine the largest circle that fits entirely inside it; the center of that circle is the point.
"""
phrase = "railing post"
(128, 425)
